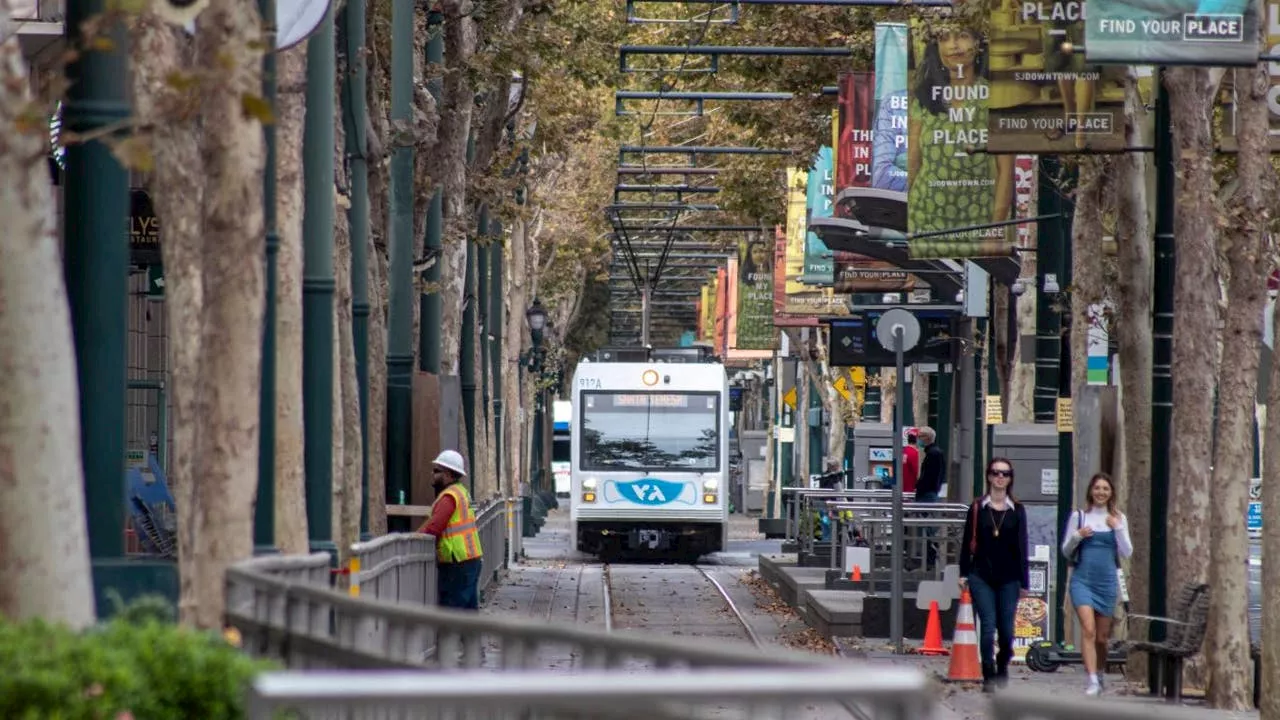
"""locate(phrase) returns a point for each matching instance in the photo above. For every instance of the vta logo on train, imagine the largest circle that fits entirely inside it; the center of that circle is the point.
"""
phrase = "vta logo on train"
(650, 491)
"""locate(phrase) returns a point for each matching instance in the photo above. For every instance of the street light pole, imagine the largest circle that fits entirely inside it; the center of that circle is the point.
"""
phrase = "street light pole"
(537, 320)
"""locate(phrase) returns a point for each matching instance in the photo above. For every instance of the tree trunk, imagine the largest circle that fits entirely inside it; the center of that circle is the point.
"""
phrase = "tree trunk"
(348, 411)
(291, 111)
(1196, 333)
(158, 51)
(920, 398)
(44, 546)
(229, 36)
(1019, 406)
(516, 295)
(1228, 648)
(1133, 334)
(888, 393)
(377, 389)
(455, 129)
(1086, 290)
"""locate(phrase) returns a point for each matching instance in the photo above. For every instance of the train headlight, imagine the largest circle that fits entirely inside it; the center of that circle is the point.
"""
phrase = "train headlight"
(711, 485)
(589, 490)
(589, 484)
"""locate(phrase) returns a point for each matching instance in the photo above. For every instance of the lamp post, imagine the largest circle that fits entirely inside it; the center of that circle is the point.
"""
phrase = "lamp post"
(536, 317)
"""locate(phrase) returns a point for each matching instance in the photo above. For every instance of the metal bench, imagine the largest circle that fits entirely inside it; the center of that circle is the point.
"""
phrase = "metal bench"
(1187, 623)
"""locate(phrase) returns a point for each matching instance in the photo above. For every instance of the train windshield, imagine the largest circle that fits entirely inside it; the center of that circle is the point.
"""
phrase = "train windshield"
(650, 431)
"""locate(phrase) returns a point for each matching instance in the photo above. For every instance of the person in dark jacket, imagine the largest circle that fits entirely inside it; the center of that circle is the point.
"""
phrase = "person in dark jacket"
(993, 567)
(932, 467)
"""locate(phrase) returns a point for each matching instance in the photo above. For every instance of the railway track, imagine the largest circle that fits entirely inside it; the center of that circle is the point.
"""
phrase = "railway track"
(739, 619)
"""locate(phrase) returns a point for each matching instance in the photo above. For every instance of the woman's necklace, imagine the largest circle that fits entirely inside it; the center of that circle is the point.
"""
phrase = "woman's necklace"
(997, 523)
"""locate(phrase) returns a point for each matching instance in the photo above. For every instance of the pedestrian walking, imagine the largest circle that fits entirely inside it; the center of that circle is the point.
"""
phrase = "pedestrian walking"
(993, 566)
(453, 524)
(910, 461)
(933, 464)
(1095, 539)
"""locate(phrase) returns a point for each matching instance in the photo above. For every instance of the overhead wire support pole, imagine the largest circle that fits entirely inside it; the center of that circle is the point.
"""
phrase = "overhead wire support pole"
(716, 51)
(697, 150)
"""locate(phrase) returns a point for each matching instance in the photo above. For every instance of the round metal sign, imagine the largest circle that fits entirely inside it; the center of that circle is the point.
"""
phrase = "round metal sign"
(297, 19)
(894, 321)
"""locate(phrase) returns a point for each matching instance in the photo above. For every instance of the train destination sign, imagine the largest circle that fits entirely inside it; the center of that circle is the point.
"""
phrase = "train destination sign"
(1172, 32)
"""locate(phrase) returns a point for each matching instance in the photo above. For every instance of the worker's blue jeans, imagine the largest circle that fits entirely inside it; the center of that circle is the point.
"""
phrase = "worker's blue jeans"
(458, 584)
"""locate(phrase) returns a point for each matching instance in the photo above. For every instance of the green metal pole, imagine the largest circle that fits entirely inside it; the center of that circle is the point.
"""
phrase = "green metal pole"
(979, 419)
(318, 286)
(1066, 453)
(400, 321)
(942, 426)
(96, 271)
(467, 348)
(1066, 492)
(482, 298)
(355, 115)
(264, 510)
(1162, 365)
(1048, 259)
(429, 308)
(496, 312)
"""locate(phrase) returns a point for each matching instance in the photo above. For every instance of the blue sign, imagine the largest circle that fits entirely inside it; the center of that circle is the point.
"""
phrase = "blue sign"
(648, 491)
(1255, 517)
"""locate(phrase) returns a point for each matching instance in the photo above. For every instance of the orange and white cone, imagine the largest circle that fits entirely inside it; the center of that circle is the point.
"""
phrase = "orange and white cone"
(965, 665)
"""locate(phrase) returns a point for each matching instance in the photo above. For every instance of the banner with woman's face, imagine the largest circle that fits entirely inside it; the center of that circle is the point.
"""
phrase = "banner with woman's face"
(953, 184)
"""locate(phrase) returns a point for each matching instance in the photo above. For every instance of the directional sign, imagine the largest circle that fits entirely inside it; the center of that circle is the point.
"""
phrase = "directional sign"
(897, 322)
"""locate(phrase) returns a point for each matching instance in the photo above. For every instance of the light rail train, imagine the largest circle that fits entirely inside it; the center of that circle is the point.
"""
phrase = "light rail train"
(650, 454)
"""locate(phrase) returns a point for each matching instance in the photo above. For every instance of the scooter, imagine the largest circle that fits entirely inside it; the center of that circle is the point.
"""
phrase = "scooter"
(1048, 656)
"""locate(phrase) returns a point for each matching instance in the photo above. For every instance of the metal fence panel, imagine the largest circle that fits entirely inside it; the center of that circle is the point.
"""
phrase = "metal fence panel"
(835, 691)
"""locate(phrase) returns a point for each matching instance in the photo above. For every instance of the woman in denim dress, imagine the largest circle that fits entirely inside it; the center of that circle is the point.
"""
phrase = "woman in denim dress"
(1096, 538)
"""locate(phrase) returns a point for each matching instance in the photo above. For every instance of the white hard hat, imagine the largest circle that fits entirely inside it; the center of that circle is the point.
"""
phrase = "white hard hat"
(452, 460)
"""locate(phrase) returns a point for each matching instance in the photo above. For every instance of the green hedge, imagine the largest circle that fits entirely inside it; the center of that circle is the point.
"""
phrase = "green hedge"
(139, 666)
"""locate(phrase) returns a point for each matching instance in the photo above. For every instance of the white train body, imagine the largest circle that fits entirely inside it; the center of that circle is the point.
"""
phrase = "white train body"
(650, 458)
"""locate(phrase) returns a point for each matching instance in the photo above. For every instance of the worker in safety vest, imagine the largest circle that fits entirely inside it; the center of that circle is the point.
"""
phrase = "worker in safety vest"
(452, 522)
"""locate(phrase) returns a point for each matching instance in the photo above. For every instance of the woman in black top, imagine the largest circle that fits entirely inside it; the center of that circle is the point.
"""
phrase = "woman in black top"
(993, 566)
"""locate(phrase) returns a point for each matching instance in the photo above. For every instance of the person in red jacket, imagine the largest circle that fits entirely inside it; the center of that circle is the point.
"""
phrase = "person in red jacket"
(910, 462)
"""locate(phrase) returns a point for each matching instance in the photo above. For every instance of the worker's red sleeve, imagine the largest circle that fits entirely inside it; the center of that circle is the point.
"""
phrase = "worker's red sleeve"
(440, 514)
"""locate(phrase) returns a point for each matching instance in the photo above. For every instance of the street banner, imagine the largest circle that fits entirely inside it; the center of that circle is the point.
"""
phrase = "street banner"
(819, 265)
(755, 293)
(953, 183)
(855, 273)
(853, 145)
(801, 304)
(1045, 99)
(721, 337)
(1172, 32)
(889, 147)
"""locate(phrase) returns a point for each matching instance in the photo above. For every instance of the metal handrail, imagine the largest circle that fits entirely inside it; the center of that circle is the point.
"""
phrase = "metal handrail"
(889, 694)
(261, 604)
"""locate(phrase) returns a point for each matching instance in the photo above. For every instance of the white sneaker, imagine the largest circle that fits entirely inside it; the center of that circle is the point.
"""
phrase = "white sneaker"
(1094, 689)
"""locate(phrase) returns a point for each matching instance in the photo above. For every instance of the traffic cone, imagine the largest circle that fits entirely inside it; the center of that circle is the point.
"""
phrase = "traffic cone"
(965, 666)
(933, 633)
(856, 575)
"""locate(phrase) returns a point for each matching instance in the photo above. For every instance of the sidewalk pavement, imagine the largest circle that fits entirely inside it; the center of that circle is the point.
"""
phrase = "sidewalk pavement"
(965, 701)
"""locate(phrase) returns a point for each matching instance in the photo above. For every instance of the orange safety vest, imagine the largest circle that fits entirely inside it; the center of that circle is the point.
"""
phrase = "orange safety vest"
(460, 540)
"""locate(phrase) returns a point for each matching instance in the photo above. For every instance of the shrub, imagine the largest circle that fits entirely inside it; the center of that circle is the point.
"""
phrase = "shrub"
(136, 666)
